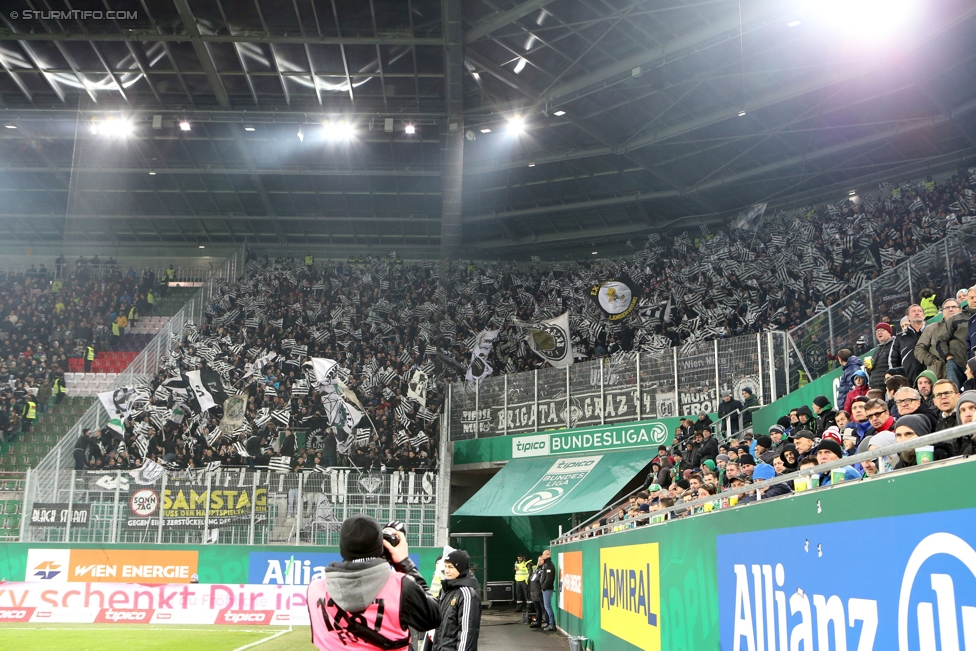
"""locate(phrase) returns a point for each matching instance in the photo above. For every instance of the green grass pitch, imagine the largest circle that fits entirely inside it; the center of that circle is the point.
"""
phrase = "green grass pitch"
(123, 637)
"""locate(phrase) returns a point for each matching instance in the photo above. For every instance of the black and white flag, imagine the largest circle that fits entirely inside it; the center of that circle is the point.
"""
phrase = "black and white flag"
(617, 297)
(550, 340)
(749, 220)
(204, 397)
(417, 387)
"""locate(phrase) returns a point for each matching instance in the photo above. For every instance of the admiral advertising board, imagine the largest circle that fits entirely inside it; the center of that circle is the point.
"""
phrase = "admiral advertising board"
(630, 594)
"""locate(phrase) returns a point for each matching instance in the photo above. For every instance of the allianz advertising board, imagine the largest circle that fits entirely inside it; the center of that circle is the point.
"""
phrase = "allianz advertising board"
(905, 583)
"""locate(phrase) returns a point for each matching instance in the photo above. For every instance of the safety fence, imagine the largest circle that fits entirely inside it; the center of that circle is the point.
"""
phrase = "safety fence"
(622, 388)
(148, 361)
(943, 267)
(228, 506)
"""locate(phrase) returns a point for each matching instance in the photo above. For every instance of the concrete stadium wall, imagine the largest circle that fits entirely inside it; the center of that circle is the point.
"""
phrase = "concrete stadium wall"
(864, 560)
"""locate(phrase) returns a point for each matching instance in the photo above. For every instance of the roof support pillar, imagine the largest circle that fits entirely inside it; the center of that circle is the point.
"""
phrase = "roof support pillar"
(453, 132)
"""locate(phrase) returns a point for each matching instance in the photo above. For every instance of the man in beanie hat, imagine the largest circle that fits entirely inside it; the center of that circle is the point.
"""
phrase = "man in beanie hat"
(460, 606)
(764, 449)
(749, 400)
(884, 333)
(825, 415)
(830, 450)
(911, 427)
(966, 413)
(365, 603)
(729, 405)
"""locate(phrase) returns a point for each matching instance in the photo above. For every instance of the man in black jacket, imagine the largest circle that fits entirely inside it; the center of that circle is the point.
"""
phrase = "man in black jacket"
(548, 580)
(879, 361)
(460, 605)
(729, 405)
(903, 349)
(708, 448)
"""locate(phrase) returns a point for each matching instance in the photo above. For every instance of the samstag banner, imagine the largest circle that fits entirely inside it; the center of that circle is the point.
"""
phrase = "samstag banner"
(187, 506)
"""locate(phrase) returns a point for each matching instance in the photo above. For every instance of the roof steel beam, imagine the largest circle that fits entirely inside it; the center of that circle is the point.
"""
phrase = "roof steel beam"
(489, 25)
(247, 37)
(31, 169)
(203, 52)
(728, 179)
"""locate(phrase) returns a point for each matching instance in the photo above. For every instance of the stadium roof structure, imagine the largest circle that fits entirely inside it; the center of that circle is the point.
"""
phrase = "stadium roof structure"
(439, 128)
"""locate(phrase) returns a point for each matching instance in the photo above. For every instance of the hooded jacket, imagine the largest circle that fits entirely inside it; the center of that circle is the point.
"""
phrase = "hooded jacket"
(851, 366)
(354, 585)
(857, 391)
(460, 612)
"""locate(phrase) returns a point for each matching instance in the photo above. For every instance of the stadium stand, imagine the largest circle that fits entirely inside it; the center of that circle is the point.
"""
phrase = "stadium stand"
(383, 321)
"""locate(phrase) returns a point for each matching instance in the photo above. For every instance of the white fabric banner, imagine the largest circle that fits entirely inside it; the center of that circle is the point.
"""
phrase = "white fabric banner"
(203, 396)
(550, 340)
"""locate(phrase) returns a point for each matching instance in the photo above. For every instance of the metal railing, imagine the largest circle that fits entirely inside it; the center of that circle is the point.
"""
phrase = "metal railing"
(939, 267)
(622, 388)
(689, 508)
(148, 361)
(227, 506)
(181, 273)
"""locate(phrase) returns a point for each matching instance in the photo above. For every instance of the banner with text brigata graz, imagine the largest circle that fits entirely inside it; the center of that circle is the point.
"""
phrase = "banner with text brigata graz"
(912, 586)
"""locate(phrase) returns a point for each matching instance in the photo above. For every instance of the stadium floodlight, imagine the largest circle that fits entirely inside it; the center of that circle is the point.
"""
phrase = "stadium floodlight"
(531, 164)
(520, 66)
(337, 130)
(594, 253)
(10, 126)
(249, 128)
(852, 193)
(301, 133)
(410, 129)
(863, 19)
(516, 124)
(559, 113)
(184, 126)
(152, 173)
(486, 130)
(111, 126)
(201, 246)
(742, 113)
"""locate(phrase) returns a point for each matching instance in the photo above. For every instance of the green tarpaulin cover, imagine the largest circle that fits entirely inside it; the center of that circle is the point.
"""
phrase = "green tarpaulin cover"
(550, 485)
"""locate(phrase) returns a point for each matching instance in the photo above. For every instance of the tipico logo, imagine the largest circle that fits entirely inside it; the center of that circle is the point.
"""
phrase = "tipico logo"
(558, 482)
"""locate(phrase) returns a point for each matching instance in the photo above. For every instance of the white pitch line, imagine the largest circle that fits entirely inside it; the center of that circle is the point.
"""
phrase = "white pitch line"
(262, 641)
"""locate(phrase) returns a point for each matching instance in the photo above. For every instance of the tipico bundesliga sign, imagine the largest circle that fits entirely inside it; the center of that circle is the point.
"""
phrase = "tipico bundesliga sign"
(592, 439)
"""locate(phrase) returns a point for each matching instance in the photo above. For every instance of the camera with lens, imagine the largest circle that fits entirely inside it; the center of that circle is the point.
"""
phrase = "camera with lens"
(393, 537)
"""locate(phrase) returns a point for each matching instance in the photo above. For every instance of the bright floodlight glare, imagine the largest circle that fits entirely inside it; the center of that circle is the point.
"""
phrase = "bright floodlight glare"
(741, 113)
(520, 66)
(559, 114)
(249, 128)
(486, 130)
(201, 247)
(111, 126)
(184, 126)
(863, 19)
(516, 124)
(410, 129)
(594, 253)
(152, 173)
(10, 126)
(794, 23)
(338, 130)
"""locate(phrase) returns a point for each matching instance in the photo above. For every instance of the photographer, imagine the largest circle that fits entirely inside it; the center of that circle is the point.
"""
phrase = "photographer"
(362, 602)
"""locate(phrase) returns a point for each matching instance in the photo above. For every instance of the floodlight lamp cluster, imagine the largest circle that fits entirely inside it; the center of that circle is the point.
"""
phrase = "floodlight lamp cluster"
(111, 126)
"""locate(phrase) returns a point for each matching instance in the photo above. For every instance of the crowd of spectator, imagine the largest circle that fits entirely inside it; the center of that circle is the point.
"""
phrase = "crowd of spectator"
(45, 320)
(383, 321)
(919, 381)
